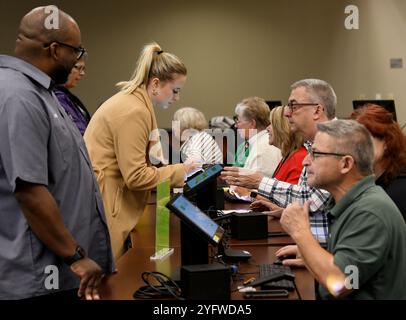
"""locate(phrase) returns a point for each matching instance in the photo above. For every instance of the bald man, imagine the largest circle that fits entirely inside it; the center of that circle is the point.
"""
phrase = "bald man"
(53, 232)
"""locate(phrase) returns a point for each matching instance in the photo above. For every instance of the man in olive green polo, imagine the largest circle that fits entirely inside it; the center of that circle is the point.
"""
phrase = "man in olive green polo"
(366, 254)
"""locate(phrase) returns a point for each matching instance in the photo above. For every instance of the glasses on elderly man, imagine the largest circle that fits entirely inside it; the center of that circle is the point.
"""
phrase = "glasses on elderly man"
(314, 154)
(293, 106)
(80, 51)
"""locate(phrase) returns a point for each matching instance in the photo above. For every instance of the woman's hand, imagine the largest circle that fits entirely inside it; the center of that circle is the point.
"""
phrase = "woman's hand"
(264, 205)
(192, 164)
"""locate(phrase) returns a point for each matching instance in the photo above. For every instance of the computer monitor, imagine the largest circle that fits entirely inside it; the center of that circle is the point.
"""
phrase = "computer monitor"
(389, 105)
(197, 231)
(273, 103)
(202, 189)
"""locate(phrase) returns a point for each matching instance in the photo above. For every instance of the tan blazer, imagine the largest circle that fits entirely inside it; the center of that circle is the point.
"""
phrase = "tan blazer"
(118, 141)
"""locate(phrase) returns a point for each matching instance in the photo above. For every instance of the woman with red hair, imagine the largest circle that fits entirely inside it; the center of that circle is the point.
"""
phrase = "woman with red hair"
(390, 151)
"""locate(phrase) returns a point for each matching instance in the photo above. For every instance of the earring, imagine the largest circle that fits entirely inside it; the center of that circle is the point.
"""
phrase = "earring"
(154, 92)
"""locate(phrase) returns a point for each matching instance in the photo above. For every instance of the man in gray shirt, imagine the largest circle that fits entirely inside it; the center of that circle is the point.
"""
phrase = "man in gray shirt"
(53, 232)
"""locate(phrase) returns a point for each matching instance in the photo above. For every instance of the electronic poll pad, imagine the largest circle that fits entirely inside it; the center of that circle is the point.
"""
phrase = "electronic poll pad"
(203, 178)
(198, 221)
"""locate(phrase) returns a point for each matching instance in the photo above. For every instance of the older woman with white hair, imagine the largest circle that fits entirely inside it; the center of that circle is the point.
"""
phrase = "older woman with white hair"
(196, 141)
(255, 153)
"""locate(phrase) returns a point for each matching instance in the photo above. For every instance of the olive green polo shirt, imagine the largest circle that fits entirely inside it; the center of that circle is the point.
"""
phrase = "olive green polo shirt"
(367, 232)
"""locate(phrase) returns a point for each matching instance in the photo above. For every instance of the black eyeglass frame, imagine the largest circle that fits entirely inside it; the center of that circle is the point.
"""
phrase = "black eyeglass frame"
(236, 120)
(293, 106)
(314, 154)
(80, 51)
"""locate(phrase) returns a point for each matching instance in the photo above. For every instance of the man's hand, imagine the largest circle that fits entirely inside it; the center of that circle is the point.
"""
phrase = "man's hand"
(291, 250)
(295, 219)
(90, 275)
(241, 177)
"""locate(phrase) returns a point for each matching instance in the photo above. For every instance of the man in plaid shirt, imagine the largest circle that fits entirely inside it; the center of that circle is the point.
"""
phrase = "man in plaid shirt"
(311, 101)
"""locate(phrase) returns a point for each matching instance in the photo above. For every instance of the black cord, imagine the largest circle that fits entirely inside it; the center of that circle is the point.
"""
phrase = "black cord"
(166, 288)
(212, 212)
(297, 290)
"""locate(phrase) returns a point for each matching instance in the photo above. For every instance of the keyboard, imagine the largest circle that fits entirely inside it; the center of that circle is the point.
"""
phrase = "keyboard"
(267, 269)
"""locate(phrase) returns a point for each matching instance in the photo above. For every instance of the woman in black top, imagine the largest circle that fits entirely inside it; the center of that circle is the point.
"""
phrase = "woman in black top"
(390, 151)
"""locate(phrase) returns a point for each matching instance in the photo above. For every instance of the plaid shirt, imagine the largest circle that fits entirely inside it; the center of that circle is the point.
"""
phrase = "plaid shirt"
(283, 193)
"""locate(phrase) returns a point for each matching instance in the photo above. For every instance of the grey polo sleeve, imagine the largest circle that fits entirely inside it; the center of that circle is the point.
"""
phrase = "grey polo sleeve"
(24, 132)
(363, 245)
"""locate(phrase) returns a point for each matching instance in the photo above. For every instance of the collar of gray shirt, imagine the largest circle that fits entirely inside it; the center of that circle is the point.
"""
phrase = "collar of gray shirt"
(27, 69)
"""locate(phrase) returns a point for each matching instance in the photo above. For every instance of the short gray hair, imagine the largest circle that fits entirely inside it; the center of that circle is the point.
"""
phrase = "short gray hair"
(190, 118)
(321, 92)
(254, 108)
(354, 139)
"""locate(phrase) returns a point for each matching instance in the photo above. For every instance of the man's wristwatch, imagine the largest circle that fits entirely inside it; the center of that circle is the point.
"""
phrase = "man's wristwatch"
(79, 254)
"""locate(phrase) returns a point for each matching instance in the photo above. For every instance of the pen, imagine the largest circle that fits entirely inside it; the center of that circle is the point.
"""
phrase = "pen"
(249, 280)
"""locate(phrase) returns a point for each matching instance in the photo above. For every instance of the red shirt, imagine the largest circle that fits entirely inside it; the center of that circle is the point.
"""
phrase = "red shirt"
(289, 169)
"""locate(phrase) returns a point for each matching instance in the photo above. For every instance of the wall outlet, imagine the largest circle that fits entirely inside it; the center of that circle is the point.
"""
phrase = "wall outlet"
(396, 63)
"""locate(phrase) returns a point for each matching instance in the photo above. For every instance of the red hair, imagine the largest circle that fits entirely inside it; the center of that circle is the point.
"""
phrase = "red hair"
(381, 125)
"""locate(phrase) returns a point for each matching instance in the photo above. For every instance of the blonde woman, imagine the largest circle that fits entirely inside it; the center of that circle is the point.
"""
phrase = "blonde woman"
(196, 142)
(290, 144)
(119, 141)
(293, 153)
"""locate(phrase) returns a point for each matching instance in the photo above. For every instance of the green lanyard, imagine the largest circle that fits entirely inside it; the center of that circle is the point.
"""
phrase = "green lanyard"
(242, 153)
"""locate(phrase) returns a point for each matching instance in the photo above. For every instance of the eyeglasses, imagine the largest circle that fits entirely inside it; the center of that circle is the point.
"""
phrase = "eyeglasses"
(315, 154)
(239, 121)
(293, 106)
(80, 51)
(80, 69)
(236, 120)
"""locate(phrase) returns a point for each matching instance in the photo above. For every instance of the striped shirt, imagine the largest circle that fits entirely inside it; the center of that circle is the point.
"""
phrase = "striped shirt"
(283, 193)
(203, 146)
